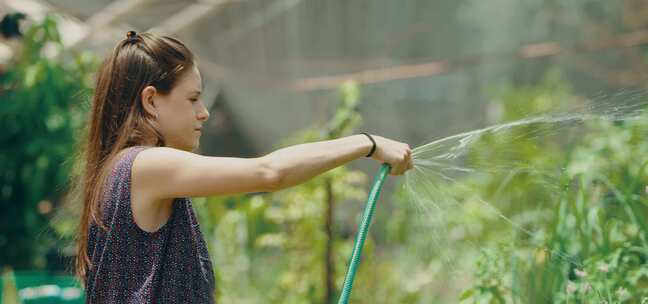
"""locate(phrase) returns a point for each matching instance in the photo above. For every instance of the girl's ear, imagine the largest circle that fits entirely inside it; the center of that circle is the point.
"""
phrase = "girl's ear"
(148, 100)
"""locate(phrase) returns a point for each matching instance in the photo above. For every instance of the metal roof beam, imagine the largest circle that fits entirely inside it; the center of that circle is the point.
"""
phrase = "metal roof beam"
(190, 15)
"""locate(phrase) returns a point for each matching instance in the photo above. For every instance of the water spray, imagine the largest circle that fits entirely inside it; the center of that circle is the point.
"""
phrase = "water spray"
(443, 162)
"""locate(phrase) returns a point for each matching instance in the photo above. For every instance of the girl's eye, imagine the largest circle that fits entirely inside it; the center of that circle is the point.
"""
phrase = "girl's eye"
(193, 100)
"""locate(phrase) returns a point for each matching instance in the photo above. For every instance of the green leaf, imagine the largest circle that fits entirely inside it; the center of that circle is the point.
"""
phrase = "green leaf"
(467, 294)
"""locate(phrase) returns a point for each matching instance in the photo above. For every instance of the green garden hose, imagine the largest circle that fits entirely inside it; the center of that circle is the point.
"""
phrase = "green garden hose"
(362, 232)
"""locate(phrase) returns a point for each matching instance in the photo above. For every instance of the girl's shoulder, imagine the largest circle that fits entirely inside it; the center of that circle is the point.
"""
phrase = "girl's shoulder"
(130, 151)
(126, 156)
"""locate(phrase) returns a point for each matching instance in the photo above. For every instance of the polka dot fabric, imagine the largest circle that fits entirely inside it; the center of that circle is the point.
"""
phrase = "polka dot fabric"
(130, 265)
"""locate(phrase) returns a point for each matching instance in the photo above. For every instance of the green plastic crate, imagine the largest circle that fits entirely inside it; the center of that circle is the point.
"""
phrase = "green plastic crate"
(35, 287)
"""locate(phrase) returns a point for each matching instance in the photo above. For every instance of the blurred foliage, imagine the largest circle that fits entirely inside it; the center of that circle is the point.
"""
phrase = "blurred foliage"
(40, 114)
(591, 245)
(9, 294)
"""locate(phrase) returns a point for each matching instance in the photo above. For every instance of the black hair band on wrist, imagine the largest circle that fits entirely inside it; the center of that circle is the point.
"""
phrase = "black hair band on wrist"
(373, 149)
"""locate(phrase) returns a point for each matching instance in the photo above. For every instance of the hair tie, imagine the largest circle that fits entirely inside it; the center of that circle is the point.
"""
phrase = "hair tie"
(131, 36)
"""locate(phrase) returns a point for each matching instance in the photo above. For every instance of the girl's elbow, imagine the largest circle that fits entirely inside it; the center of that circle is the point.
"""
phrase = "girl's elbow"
(271, 177)
(273, 182)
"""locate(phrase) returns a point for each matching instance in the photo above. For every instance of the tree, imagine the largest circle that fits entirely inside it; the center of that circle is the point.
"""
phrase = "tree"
(41, 112)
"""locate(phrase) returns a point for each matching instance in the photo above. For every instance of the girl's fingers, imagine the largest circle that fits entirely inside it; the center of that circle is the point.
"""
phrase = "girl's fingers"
(396, 170)
(407, 165)
(401, 169)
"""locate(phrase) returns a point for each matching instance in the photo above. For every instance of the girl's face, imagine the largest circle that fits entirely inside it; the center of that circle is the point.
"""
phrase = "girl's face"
(181, 113)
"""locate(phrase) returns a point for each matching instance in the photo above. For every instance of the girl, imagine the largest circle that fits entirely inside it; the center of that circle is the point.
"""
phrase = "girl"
(139, 241)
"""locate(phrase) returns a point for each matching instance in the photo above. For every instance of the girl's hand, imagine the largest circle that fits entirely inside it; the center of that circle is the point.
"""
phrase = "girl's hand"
(397, 154)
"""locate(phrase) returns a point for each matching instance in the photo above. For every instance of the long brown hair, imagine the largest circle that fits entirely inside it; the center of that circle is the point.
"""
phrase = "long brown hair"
(117, 119)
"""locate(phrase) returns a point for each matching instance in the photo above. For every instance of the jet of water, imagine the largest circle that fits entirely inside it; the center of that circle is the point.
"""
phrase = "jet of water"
(448, 172)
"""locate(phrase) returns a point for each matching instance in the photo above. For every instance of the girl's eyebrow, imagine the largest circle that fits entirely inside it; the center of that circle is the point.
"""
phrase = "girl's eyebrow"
(195, 92)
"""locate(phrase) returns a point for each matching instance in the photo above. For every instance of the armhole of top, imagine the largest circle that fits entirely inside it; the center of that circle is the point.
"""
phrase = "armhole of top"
(131, 156)
(120, 169)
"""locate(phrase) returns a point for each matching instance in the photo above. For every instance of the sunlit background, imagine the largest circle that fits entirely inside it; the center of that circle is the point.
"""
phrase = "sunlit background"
(551, 211)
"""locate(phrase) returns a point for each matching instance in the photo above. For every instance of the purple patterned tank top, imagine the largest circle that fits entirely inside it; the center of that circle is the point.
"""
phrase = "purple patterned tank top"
(130, 265)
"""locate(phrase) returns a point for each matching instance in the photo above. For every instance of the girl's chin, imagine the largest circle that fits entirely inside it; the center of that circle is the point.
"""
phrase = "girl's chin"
(195, 145)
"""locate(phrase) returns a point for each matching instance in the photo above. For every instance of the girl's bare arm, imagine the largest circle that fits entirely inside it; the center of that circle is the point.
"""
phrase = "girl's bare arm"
(162, 172)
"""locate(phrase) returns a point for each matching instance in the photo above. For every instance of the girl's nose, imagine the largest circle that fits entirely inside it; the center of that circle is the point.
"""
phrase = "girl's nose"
(203, 114)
